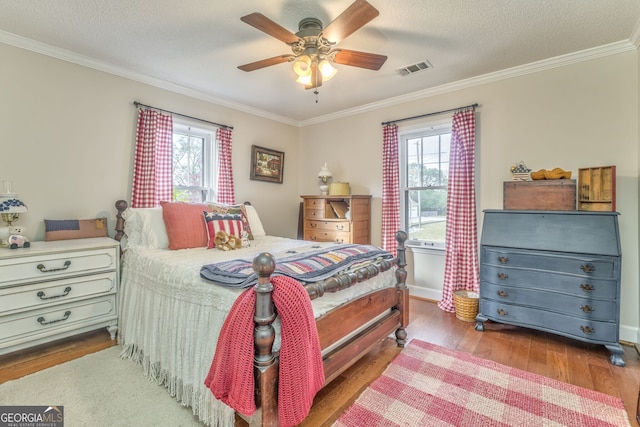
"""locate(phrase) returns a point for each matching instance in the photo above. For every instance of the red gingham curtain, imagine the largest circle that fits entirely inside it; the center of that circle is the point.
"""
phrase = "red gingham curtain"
(390, 188)
(226, 193)
(461, 258)
(152, 171)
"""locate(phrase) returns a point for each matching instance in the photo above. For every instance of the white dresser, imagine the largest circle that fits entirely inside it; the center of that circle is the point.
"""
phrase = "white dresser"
(57, 289)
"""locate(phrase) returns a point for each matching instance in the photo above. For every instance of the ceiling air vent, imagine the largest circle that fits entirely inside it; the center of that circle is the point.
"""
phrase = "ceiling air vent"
(414, 68)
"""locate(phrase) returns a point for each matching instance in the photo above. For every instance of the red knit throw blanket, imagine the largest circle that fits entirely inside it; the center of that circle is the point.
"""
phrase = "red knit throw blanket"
(301, 372)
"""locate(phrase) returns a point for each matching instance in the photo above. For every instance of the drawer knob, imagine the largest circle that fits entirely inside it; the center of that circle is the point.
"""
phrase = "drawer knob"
(588, 268)
(502, 294)
(502, 312)
(42, 321)
(587, 287)
(586, 308)
(587, 329)
(44, 269)
(314, 225)
(503, 259)
(42, 296)
(503, 276)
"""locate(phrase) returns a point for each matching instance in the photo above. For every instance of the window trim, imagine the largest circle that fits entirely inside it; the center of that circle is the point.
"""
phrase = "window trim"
(434, 127)
(210, 156)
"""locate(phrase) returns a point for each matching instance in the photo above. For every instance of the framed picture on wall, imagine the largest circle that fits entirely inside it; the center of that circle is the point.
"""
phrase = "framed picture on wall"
(266, 164)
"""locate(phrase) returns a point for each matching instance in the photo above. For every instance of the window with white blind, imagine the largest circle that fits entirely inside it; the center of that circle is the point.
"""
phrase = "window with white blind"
(424, 174)
(194, 160)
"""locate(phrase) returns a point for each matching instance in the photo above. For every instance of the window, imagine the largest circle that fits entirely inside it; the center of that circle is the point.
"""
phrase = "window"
(424, 175)
(194, 159)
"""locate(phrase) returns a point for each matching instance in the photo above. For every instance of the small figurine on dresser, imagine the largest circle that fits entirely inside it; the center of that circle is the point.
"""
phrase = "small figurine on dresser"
(16, 238)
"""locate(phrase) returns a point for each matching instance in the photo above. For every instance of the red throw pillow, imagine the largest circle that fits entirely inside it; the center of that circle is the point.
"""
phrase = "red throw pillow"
(185, 224)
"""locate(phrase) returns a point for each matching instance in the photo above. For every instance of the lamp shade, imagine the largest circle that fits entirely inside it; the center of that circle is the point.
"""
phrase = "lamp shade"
(302, 65)
(324, 172)
(305, 80)
(327, 70)
(10, 204)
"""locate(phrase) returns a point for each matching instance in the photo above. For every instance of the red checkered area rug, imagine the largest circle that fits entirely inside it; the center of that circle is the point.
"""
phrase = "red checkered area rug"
(427, 385)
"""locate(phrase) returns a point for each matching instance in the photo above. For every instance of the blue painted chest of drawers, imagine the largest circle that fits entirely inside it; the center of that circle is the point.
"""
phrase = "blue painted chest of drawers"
(555, 271)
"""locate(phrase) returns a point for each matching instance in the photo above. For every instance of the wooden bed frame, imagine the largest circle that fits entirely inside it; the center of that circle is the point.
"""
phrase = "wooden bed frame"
(333, 327)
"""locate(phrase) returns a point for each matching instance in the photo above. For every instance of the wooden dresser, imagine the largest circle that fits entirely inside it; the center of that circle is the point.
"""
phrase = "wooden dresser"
(555, 271)
(57, 289)
(341, 219)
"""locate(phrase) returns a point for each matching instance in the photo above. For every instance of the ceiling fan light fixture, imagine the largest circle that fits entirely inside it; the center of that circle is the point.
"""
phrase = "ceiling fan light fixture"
(327, 70)
(304, 80)
(302, 65)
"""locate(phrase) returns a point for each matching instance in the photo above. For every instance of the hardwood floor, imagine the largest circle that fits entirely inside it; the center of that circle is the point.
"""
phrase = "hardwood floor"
(561, 358)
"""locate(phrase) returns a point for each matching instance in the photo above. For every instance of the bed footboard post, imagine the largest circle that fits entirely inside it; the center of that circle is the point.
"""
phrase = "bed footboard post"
(403, 291)
(265, 363)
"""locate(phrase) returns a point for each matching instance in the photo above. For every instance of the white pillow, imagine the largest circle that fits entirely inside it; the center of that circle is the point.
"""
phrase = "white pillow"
(145, 227)
(254, 221)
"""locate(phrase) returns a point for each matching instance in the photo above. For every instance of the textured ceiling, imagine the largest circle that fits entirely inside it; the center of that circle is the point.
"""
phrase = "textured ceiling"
(198, 44)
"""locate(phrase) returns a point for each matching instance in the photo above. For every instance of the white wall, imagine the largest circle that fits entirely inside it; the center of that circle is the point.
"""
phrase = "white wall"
(580, 115)
(67, 132)
(67, 135)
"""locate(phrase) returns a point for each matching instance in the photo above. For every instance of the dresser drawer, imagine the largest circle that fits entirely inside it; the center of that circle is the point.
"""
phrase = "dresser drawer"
(579, 306)
(327, 236)
(546, 280)
(315, 204)
(327, 225)
(37, 323)
(27, 297)
(57, 265)
(565, 263)
(563, 324)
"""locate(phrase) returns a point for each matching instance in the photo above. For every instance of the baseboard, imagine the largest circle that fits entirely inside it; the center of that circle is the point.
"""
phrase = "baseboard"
(629, 334)
(425, 293)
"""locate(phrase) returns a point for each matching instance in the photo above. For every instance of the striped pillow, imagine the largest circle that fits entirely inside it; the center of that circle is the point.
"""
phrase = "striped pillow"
(230, 223)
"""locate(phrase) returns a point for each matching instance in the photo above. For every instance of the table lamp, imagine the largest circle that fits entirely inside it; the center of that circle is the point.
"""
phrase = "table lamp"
(10, 209)
(324, 176)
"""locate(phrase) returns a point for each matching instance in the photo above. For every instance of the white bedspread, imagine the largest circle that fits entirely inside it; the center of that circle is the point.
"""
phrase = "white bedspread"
(170, 317)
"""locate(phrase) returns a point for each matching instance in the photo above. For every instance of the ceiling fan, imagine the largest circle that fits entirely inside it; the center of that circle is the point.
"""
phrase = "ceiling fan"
(313, 46)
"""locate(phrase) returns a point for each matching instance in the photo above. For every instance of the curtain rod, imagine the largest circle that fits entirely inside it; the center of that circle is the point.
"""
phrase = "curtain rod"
(139, 104)
(429, 114)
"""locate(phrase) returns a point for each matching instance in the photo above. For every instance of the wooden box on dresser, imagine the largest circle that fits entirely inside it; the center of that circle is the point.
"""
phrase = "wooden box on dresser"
(555, 271)
(325, 220)
(57, 289)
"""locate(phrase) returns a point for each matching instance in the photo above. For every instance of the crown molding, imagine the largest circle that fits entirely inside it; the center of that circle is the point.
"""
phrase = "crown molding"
(521, 70)
(534, 67)
(85, 61)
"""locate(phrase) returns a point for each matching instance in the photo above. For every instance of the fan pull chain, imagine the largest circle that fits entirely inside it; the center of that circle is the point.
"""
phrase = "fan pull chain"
(315, 89)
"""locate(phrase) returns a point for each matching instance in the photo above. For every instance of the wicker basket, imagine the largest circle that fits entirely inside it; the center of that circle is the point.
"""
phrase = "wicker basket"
(466, 304)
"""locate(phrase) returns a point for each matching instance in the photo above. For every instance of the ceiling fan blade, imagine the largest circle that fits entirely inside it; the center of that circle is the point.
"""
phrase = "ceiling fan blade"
(354, 17)
(266, 25)
(354, 58)
(316, 78)
(265, 63)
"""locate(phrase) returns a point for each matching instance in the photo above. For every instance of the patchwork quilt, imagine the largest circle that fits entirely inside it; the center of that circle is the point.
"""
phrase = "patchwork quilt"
(307, 264)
